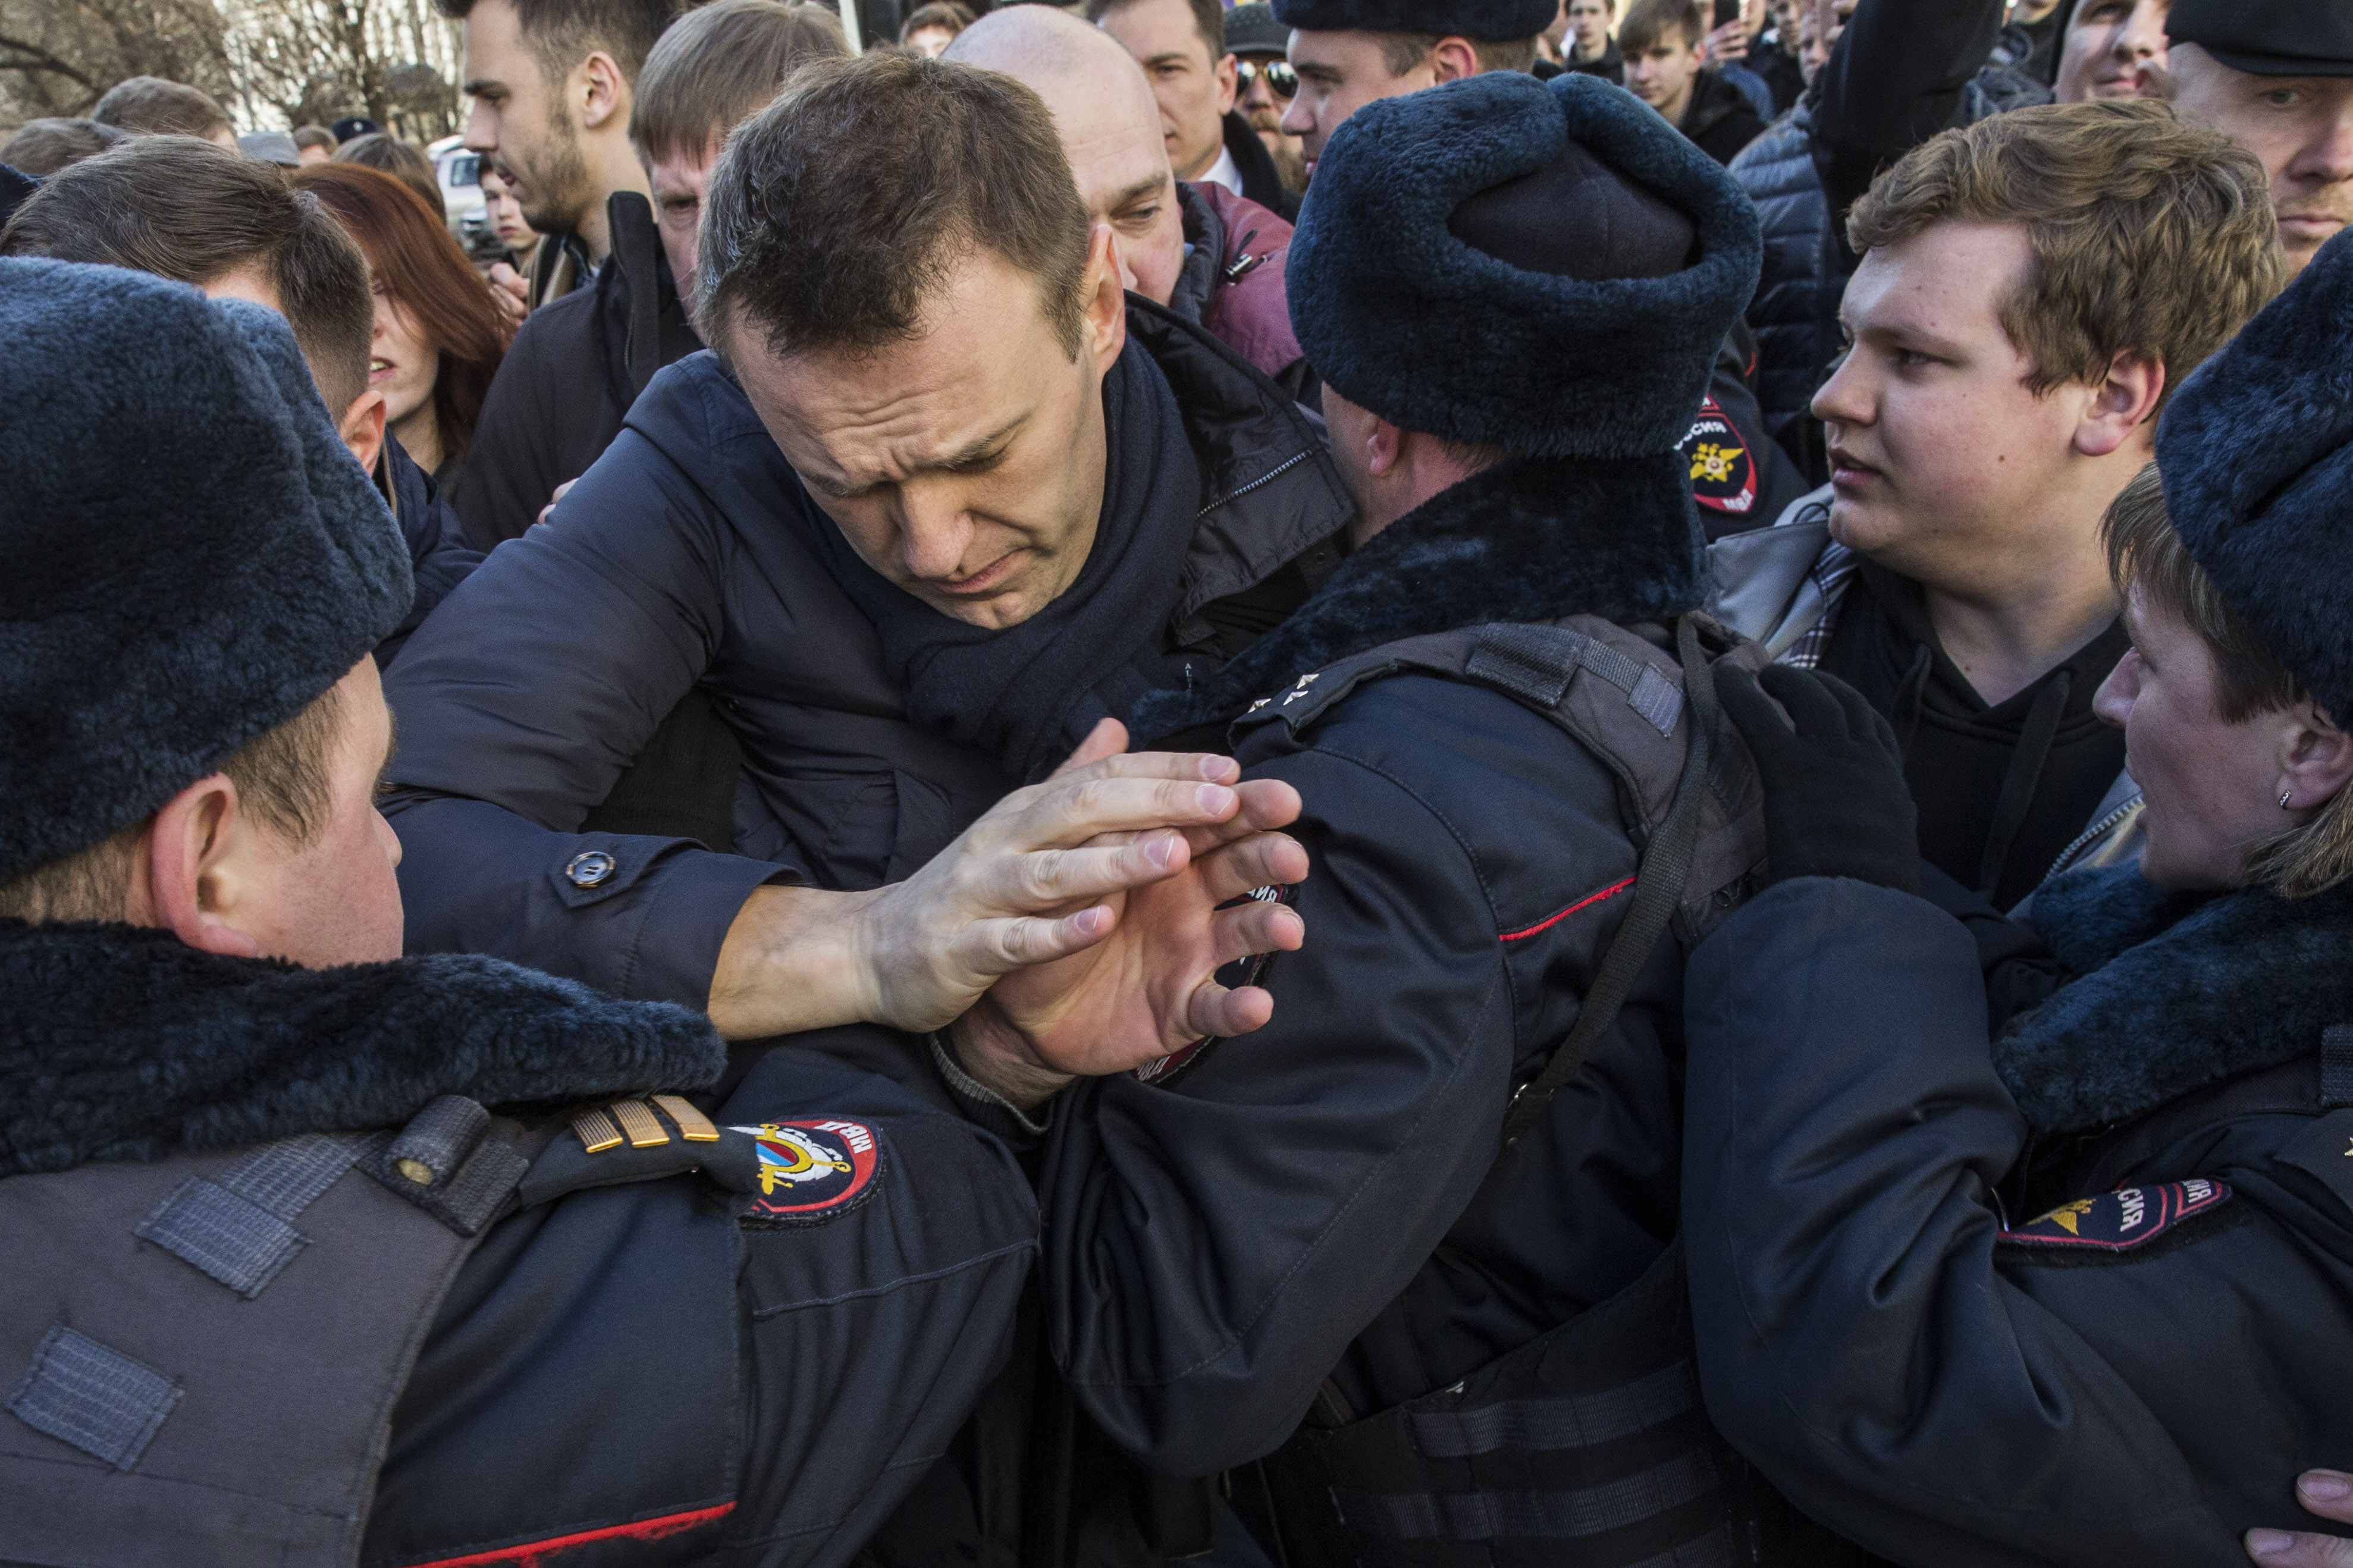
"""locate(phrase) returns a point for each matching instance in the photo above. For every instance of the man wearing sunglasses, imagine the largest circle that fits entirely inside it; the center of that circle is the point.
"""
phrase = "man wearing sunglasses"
(1182, 46)
(1265, 84)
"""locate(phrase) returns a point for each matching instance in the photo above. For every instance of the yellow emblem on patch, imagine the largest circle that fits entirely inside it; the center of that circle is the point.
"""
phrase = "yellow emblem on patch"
(2067, 1215)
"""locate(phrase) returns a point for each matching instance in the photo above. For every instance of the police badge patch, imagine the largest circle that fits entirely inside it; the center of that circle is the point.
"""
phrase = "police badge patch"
(811, 1171)
(1722, 475)
(2120, 1221)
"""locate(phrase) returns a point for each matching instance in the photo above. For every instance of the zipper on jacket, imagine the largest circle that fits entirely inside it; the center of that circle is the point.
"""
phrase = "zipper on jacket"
(2090, 835)
(1266, 478)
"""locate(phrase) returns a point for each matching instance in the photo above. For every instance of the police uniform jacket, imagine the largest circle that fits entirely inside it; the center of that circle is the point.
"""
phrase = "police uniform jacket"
(281, 1289)
(2077, 1300)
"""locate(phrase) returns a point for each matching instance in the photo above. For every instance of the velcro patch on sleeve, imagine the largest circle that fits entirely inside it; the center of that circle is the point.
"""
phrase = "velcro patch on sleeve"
(2120, 1221)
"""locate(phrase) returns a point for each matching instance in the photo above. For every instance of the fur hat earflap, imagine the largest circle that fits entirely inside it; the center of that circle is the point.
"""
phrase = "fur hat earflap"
(2255, 451)
(1546, 268)
(1491, 21)
(193, 555)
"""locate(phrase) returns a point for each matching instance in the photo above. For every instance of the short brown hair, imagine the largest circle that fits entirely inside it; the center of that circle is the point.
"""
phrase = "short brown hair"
(195, 211)
(150, 106)
(951, 15)
(2144, 552)
(2150, 235)
(1401, 52)
(314, 136)
(719, 66)
(563, 33)
(391, 156)
(283, 776)
(1209, 21)
(45, 146)
(836, 213)
(1648, 21)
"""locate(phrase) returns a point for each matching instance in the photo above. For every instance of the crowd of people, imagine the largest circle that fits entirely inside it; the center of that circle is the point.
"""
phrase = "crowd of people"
(1342, 782)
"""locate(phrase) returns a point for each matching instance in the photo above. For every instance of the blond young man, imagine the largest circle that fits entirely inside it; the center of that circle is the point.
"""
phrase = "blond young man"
(2033, 288)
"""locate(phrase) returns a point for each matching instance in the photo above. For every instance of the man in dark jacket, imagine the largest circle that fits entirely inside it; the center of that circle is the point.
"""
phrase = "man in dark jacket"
(1969, 599)
(2081, 1298)
(1664, 43)
(1316, 1243)
(184, 210)
(581, 361)
(1182, 46)
(1212, 257)
(283, 1289)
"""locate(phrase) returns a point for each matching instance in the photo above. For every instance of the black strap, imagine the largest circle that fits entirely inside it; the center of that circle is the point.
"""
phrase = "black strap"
(1659, 886)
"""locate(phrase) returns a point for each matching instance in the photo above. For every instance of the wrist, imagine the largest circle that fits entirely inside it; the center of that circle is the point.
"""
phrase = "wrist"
(796, 959)
(1001, 1058)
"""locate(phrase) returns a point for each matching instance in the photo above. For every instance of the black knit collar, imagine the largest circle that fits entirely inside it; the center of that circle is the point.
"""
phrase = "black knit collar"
(2173, 991)
(1527, 540)
(123, 1044)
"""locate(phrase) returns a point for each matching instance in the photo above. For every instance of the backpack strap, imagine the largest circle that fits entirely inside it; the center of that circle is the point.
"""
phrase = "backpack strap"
(1665, 865)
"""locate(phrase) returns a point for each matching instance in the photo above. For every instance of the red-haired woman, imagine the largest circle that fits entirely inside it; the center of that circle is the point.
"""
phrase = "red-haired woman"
(438, 334)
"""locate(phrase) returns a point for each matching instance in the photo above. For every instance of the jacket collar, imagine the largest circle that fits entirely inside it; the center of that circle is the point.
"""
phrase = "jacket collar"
(1527, 540)
(118, 1043)
(2172, 991)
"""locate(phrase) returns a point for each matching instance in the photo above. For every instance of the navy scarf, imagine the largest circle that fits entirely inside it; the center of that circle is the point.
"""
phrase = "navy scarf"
(1027, 695)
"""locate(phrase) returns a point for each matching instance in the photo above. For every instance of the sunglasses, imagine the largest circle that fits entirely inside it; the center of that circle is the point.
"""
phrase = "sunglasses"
(1280, 80)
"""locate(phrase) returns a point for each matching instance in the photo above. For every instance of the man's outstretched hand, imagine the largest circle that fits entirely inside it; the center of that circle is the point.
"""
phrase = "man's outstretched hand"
(1149, 988)
(2330, 1494)
(1037, 879)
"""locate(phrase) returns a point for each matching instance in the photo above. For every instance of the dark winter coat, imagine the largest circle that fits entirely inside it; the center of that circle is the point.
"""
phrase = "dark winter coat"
(691, 559)
(656, 1358)
(569, 377)
(1795, 314)
(437, 552)
(1609, 65)
(2080, 1299)
(1317, 1196)
(1719, 119)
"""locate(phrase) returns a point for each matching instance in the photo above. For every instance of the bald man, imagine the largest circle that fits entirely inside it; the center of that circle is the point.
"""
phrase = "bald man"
(1202, 250)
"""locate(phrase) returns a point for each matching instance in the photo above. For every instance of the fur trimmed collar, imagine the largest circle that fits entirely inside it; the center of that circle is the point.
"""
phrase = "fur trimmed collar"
(2172, 991)
(118, 1043)
(1527, 540)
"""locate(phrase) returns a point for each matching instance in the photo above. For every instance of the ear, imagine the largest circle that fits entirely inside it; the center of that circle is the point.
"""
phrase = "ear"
(199, 873)
(1105, 330)
(1453, 59)
(607, 91)
(2315, 758)
(1384, 447)
(363, 428)
(1229, 84)
(2122, 407)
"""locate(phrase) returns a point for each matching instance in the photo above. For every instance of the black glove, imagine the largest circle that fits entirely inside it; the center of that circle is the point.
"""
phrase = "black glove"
(1835, 801)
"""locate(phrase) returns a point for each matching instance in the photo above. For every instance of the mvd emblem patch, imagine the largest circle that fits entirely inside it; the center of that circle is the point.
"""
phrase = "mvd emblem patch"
(810, 1171)
(2122, 1220)
(1723, 476)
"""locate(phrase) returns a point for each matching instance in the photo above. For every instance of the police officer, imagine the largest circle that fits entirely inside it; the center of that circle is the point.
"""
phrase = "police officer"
(280, 1287)
(2083, 1298)
(1414, 1240)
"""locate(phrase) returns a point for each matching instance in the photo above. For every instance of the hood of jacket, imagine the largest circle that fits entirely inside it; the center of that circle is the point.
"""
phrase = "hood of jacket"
(120, 1043)
(2170, 991)
(1527, 540)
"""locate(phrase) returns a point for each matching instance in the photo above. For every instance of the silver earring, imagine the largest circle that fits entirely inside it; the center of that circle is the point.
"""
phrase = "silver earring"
(2283, 795)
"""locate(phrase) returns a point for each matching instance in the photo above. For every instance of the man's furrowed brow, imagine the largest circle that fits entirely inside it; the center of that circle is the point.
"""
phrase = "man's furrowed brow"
(1151, 186)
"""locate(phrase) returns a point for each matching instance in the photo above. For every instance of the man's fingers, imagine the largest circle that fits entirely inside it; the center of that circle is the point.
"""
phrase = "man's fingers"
(1751, 711)
(1052, 879)
(1267, 804)
(1070, 812)
(2328, 1493)
(1108, 739)
(1254, 927)
(1218, 1012)
(1261, 861)
(997, 947)
(2280, 1549)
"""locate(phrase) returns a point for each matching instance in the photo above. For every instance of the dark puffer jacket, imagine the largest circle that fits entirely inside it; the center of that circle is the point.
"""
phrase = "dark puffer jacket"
(1795, 314)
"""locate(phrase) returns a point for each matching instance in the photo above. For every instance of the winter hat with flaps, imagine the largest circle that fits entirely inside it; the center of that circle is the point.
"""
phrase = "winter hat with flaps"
(1491, 21)
(1546, 268)
(193, 555)
(2255, 452)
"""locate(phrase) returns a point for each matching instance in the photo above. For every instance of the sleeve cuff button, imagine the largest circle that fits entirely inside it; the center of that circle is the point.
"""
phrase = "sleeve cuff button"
(591, 868)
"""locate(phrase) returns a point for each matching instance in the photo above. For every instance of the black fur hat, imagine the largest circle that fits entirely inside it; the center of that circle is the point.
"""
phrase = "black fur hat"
(1493, 21)
(1403, 316)
(192, 555)
(2256, 455)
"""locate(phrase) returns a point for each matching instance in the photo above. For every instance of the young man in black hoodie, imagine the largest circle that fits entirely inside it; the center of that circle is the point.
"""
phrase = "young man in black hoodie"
(2014, 333)
(1665, 46)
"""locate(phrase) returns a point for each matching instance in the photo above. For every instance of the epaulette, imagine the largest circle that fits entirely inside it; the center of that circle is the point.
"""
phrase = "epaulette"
(802, 1172)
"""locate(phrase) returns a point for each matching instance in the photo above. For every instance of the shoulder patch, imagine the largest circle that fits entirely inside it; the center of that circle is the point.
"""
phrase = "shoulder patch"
(2120, 1221)
(1723, 473)
(810, 1171)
